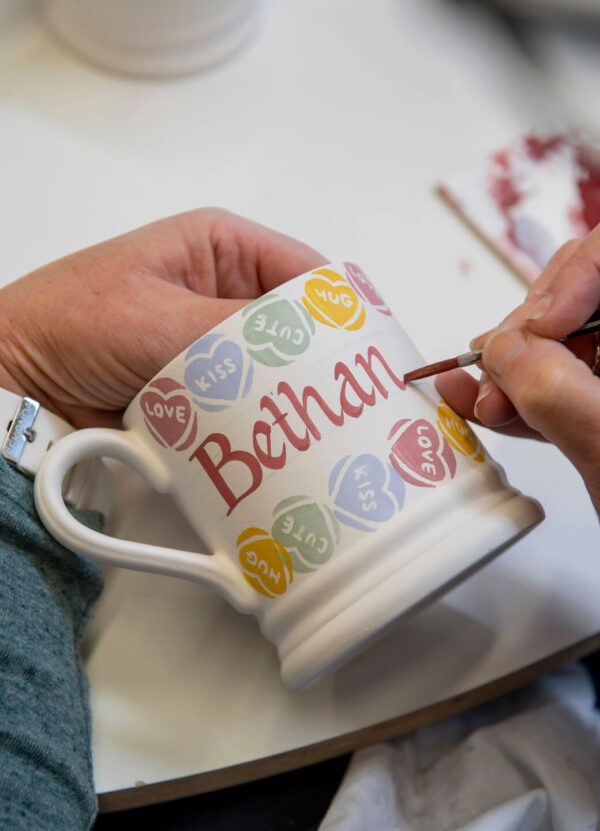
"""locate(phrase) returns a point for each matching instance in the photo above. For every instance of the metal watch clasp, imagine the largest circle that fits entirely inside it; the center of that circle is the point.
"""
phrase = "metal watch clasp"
(20, 430)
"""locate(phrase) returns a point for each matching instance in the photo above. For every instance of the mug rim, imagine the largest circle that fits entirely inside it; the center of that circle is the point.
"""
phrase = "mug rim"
(239, 314)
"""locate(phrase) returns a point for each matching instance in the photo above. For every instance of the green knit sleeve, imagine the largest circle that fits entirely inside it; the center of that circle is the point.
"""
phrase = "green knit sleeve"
(46, 593)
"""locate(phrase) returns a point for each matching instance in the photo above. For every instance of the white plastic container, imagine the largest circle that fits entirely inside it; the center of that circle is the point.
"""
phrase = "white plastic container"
(153, 37)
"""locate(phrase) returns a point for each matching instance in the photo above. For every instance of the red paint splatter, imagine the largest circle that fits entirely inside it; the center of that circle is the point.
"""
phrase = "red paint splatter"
(502, 159)
(577, 220)
(465, 267)
(589, 184)
(505, 193)
(538, 147)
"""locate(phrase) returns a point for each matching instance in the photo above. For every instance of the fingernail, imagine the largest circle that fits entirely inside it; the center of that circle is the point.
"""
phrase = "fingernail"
(502, 348)
(533, 294)
(486, 385)
(540, 308)
(478, 341)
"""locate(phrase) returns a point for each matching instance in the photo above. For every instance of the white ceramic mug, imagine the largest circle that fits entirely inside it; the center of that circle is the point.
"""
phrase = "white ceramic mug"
(154, 37)
(331, 499)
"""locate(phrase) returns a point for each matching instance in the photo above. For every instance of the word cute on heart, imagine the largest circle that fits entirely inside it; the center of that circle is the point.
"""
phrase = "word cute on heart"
(237, 472)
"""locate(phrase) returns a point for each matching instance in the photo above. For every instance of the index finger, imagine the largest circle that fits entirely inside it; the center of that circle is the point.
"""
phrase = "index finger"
(216, 253)
(248, 259)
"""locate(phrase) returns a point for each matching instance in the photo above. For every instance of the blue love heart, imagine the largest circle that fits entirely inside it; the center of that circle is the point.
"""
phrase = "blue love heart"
(366, 492)
(218, 372)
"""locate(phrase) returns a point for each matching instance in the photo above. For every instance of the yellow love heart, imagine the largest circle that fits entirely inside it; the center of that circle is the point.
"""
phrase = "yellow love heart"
(267, 565)
(458, 433)
(331, 300)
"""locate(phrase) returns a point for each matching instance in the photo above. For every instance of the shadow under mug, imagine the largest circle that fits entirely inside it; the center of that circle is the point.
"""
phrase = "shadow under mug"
(331, 499)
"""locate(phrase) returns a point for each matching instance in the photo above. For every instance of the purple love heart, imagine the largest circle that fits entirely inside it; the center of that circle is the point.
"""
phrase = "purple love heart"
(218, 372)
(366, 492)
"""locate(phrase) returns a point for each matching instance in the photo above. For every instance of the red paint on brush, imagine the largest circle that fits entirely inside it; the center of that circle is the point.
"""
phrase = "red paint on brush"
(431, 369)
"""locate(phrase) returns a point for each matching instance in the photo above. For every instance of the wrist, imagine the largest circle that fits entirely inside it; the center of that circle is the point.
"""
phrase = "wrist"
(8, 382)
(18, 375)
(12, 377)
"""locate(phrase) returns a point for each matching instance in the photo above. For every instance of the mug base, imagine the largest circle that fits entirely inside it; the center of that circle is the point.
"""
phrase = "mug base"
(416, 583)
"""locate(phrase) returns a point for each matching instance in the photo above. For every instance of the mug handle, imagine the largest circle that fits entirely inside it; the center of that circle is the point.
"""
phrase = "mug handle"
(215, 571)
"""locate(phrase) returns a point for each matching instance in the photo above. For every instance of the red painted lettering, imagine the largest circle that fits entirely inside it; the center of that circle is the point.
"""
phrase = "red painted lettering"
(283, 388)
(352, 410)
(367, 365)
(299, 442)
(265, 456)
(238, 473)
(228, 457)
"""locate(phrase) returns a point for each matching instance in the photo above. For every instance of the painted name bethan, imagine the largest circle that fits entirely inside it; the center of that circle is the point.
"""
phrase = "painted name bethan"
(292, 426)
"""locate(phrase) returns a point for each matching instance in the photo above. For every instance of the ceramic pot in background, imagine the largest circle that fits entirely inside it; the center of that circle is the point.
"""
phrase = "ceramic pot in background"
(153, 37)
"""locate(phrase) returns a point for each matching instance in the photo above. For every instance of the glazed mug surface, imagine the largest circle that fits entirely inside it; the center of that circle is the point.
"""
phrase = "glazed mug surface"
(331, 498)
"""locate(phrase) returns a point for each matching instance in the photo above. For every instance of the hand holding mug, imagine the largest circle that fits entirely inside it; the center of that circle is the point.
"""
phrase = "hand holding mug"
(83, 335)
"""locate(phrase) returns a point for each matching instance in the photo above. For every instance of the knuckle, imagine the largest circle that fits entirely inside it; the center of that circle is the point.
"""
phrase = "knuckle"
(584, 262)
(567, 249)
(541, 397)
(214, 213)
(579, 263)
(205, 216)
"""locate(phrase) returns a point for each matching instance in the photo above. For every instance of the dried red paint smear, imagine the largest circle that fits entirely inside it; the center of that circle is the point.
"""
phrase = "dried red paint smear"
(505, 192)
(529, 198)
(589, 185)
(538, 147)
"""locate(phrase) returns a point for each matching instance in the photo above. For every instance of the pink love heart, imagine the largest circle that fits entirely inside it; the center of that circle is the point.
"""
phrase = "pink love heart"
(365, 288)
(168, 414)
(420, 454)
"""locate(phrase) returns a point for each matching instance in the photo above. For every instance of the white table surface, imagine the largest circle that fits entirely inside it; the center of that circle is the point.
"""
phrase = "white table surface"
(333, 125)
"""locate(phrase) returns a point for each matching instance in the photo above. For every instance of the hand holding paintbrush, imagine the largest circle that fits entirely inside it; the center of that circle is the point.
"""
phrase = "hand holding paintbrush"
(475, 355)
(537, 382)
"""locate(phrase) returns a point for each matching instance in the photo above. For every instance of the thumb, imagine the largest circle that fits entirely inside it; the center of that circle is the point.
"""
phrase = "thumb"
(553, 391)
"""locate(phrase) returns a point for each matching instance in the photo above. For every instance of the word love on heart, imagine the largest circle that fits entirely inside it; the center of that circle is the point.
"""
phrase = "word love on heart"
(168, 414)
(236, 472)
(420, 454)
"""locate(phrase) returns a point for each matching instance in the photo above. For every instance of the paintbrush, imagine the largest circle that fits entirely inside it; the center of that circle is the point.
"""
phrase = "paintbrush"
(469, 358)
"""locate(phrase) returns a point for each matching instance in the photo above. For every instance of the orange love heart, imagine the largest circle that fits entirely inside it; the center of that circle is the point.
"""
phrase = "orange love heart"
(331, 300)
(266, 563)
(459, 434)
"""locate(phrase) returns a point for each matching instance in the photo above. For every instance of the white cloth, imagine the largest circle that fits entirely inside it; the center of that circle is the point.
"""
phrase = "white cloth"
(526, 762)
